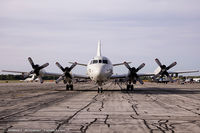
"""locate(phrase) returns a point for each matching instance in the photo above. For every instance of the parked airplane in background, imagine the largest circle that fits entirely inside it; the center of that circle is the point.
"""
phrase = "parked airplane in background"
(99, 70)
(31, 78)
(196, 80)
(162, 71)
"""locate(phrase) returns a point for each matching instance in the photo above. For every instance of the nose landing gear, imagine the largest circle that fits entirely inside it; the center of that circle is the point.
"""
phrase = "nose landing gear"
(100, 89)
(129, 87)
(69, 86)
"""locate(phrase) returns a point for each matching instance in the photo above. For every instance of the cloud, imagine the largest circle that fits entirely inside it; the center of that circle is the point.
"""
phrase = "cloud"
(132, 30)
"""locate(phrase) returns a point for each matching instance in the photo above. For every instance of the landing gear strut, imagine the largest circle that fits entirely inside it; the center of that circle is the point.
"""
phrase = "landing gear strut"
(130, 87)
(100, 89)
(69, 86)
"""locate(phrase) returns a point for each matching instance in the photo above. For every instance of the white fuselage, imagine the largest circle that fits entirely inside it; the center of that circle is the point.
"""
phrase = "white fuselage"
(100, 69)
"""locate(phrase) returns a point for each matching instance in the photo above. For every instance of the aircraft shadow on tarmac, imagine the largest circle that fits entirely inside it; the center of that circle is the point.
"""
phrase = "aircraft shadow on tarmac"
(148, 91)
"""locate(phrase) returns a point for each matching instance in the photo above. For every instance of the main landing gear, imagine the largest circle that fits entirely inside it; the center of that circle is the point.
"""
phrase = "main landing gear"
(100, 89)
(69, 86)
(129, 87)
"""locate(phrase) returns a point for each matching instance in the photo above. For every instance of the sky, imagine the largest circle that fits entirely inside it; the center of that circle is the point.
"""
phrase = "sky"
(130, 30)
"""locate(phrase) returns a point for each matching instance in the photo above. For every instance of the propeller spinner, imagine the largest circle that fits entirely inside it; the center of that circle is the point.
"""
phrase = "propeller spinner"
(66, 71)
(164, 69)
(133, 72)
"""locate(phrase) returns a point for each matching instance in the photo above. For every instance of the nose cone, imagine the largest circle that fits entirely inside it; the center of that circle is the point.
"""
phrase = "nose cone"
(99, 73)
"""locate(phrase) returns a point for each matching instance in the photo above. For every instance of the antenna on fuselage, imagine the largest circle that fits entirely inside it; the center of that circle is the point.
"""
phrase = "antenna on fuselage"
(99, 48)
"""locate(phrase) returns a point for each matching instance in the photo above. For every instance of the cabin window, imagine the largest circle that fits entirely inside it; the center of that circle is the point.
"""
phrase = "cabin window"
(95, 61)
(105, 61)
(100, 61)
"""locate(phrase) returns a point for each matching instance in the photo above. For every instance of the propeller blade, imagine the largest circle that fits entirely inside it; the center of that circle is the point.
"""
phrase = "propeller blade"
(31, 62)
(44, 65)
(127, 65)
(58, 64)
(72, 66)
(140, 67)
(59, 79)
(139, 80)
(172, 65)
(158, 62)
(40, 78)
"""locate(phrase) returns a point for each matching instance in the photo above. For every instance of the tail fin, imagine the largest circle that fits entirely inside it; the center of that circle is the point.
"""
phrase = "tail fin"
(99, 48)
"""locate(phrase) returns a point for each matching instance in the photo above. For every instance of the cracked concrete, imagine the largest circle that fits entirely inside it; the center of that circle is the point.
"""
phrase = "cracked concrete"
(32, 107)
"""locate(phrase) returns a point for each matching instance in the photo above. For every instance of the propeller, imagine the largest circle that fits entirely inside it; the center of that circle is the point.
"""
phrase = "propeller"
(133, 72)
(36, 69)
(164, 69)
(66, 71)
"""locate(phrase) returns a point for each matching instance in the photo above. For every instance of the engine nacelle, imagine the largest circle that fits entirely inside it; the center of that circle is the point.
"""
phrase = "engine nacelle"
(157, 71)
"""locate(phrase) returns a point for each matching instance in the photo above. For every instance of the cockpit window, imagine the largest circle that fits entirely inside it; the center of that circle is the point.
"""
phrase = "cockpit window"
(99, 61)
(105, 61)
(95, 61)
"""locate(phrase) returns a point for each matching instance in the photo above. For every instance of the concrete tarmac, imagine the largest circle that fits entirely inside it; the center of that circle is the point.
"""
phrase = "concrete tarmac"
(48, 108)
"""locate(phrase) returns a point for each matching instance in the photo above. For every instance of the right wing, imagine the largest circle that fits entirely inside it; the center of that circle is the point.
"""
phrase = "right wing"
(180, 72)
(14, 71)
(81, 64)
(22, 73)
(118, 64)
(44, 73)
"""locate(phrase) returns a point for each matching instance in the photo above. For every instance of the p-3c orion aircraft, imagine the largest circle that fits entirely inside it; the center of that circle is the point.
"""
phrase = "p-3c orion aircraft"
(99, 70)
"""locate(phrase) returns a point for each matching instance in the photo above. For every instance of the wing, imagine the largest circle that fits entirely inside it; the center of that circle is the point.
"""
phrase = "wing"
(73, 75)
(126, 75)
(78, 64)
(146, 74)
(14, 72)
(80, 76)
(180, 72)
(118, 64)
(119, 76)
(44, 73)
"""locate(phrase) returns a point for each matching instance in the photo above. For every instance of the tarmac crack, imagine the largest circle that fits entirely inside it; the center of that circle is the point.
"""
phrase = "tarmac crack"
(10, 103)
(106, 119)
(133, 103)
(7, 129)
(71, 117)
(102, 105)
(161, 125)
(187, 109)
(34, 108)
(134, 106)
(84, 129)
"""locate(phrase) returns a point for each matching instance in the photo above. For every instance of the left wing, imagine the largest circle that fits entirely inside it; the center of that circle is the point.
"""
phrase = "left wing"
(80, 76)
(118, 64)
(119, 76)
(180, 72)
